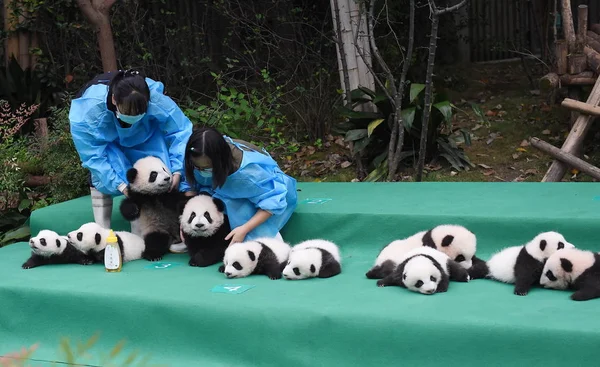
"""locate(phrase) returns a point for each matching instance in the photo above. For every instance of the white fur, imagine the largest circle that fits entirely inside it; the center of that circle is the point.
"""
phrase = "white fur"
(421, 268)
(145, 166)
(238, 252)
(396, 249)
(196, 209)
(464, 242)
(502, 264)
(133, 245)
(580, 259)
(48, 243)
(307, 253)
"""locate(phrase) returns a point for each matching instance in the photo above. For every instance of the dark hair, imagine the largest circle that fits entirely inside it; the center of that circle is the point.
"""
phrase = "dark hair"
(131, 92)
(209, 142)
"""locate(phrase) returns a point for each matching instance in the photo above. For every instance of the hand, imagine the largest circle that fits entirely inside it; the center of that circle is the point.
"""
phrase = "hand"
(126, 192)
(190, 193)
(175, 181)
(237, 234)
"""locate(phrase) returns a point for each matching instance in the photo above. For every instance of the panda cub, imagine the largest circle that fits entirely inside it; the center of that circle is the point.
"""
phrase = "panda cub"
(91, 237)
(575, 269)
(150, 202)
(49, 248)
(266, 256)
(425, 270)
(313, 259)
(204, 227)
(523, 265)
(455, 241)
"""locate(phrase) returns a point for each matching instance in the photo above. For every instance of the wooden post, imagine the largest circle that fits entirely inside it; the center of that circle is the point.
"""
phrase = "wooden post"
(577, 63)
(565, 157)
(581, 107)
(575, 138)
(582, 26)
(595, 28)
(593, 59)
(567, 19)
(562, 50)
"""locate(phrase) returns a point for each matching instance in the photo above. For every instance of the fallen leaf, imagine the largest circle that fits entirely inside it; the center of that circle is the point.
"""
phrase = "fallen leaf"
(524, 143)
(502, 113)
(546, 132)
(491, 113)
(521, 150)
(516, 155)
(532, 171)
(574, 171)
(453, 173)
(499, 178)
(482, 155)
(69, 78)
(484, 166)
(346, 164)
(489, 173)
(498, 107)
(513, 168)
(546, 108)
(340, 141)
(355, 180)
(476, 127)
(311, 150)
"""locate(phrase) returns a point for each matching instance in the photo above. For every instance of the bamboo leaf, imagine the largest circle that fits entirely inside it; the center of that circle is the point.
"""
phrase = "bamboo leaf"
(361, 144)
(372, 125)
(445, 108)
(415, 90)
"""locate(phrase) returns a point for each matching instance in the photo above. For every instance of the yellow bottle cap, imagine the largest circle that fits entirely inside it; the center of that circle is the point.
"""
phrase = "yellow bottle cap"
(111, 237)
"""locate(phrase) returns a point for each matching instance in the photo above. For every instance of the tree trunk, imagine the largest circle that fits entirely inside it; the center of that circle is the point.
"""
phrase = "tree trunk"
(562, 51)
(568, 28)
(12, 40)
(98, 14)
(582, 26)
(593, 59)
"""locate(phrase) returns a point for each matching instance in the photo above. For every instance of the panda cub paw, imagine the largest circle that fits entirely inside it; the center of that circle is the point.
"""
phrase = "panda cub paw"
(222, 269)
(521, 293)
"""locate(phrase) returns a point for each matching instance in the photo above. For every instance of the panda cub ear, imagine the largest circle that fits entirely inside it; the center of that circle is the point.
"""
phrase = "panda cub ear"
(566, 265)
(131, 174)
(219, 204)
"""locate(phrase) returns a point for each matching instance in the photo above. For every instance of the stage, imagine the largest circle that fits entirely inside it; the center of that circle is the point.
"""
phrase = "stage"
(184, 316)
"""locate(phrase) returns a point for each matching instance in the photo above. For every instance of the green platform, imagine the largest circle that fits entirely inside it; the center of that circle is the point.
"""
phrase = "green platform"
(343, 321)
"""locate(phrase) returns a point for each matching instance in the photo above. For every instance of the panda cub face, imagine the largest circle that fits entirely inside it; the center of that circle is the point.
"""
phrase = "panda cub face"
(48, 243)
(564, 266)
(241, 258)
(202, 216)
(149, 175)
(302, 264)
(89, 237)
(421, 275)
(545, 244)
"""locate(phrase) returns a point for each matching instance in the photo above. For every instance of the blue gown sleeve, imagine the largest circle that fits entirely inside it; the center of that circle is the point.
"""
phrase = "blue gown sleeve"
(176, 127)
(265, 188)
(92, 148)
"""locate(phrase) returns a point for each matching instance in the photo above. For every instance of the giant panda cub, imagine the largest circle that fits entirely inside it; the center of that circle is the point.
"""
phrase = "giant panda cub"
(150, 202)
(91, 237)
(204, 227)
(313, 259)
(50, 248)
(425, 270)
(455, 241)
(575, 269)
(267, 256)
(523, 265)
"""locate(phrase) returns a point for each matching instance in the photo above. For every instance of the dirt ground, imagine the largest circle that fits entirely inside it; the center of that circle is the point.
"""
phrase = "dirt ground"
(513, 111)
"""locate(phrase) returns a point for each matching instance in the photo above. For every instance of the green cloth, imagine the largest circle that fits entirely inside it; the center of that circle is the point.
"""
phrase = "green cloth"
(342, 321)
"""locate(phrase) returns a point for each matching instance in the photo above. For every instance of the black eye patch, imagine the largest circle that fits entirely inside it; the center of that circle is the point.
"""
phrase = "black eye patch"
(561, 245)
(57, 243)
(550, 275)
(98, 238)
(418, 284)
(207, 216)
(543, 244)
(460, 258)
(237, 266)
(192, 216)
(432, 278)
(313, 269)
(79, 236)
(297, 271)
(43, 242)
(153, 176)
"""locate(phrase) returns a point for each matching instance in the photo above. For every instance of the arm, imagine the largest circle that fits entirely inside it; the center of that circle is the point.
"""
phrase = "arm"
(257, 219)
(94, 156)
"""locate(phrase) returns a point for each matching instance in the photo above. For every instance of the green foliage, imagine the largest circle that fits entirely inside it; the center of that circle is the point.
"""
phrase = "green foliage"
(370, 132)
(81, 354)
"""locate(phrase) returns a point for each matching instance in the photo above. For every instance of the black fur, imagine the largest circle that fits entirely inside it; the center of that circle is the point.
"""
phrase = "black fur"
(456, 272)
(428, 239)
(206, 251)
(396, 277)
(528, 271)
(587, 285)
(329, 265)
(267, 264)
(381, 271)
(479, 269)
(71, 255)
(171, 204)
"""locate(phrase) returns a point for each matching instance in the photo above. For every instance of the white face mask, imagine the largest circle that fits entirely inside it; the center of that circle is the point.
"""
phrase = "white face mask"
(129, 119)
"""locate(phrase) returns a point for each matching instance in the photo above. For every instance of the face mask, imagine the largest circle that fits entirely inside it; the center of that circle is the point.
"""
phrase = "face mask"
(129, 119)
(206, 173)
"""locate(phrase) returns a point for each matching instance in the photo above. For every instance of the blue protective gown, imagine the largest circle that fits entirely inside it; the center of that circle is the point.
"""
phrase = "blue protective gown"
(108, 150)
(258, 183)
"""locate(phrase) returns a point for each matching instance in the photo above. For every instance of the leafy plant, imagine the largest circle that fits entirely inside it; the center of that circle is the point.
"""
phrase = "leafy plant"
(370, 132)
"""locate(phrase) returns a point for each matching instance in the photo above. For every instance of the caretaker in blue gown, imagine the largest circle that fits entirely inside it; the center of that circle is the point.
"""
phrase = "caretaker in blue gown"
(259, 197)
(118, 118)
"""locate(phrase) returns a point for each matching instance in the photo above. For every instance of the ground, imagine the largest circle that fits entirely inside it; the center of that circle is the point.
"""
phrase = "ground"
(514, 111)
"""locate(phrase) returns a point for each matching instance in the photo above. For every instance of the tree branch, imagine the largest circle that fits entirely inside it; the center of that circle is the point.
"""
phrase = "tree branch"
(439, 12)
